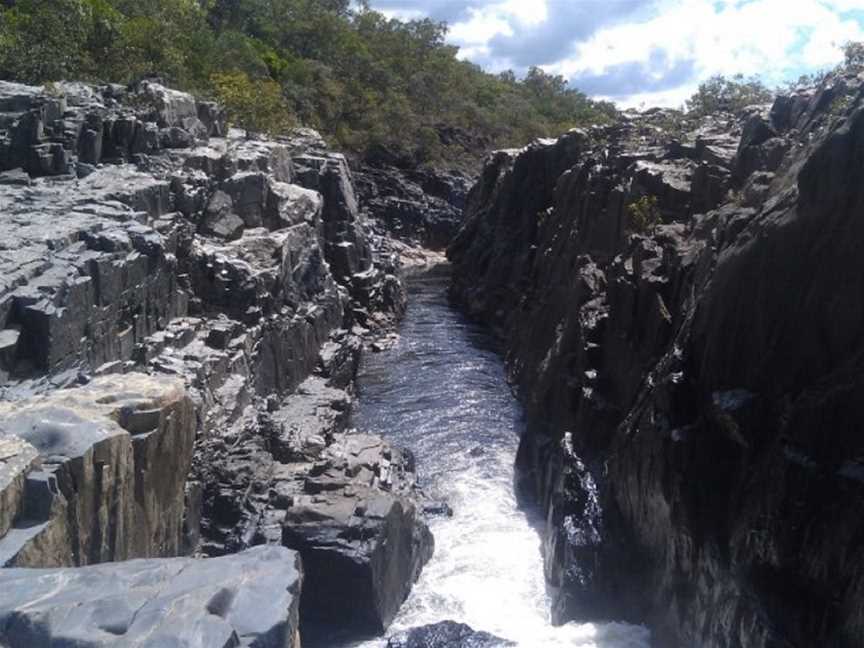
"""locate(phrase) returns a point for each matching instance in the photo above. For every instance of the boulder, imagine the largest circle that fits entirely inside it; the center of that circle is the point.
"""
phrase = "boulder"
(290, 204)
(219, 218)
(365, 548)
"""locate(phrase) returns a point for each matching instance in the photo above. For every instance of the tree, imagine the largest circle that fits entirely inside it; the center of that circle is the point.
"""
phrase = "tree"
(257, 106)
(44, 40)
(367, 81)
(720, 94)
(853, 54)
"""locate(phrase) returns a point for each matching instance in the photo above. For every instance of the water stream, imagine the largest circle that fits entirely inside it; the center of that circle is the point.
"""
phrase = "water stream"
(441, 392)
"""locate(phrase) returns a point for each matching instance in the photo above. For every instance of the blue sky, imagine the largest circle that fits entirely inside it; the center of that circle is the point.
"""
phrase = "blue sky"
(645, 52)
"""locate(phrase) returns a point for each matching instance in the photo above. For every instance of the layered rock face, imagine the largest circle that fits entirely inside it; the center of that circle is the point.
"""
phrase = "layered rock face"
(682, 319)
(182, 310)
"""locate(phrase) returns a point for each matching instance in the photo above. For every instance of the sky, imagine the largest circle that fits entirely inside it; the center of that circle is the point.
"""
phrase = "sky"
(642, 53)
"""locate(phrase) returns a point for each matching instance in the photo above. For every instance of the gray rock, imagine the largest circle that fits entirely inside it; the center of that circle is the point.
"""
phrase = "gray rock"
(219, 218)
(109, 483)
(418, 207)
(17, 459)
(249, 599)
(196, 270)
(362, 542)
(291, 205)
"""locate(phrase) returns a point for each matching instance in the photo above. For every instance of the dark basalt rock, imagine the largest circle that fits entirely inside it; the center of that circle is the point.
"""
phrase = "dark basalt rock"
(420, 207)
(250, 599)
(446, 634)
(679, 380)
(365, 547)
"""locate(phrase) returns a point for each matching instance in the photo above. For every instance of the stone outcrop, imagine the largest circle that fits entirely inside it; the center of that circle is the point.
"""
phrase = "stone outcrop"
(250, 599)
(681, 317)
(182, 310)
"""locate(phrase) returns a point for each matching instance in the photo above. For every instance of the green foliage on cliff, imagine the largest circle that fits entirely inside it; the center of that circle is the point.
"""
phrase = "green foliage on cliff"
(644, 214)
(255, 105)
(372, 84)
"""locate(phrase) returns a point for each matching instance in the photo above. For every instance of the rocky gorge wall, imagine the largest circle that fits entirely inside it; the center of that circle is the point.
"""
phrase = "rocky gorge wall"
(680, 305)
(182, 311)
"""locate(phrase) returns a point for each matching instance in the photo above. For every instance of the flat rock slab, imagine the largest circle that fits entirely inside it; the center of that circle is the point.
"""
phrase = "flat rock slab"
(247, 599)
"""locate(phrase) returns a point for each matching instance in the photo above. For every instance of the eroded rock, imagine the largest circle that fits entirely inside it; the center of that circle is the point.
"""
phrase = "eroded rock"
(167, 292)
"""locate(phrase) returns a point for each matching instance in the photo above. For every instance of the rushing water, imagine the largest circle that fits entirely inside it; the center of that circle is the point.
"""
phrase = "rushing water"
(441, 392)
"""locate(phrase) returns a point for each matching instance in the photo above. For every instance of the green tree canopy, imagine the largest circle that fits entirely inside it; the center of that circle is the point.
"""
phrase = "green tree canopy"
(366, 81)
(720, 93)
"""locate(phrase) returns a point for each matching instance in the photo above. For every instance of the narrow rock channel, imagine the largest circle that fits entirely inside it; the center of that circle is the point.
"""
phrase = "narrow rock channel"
(441, 392)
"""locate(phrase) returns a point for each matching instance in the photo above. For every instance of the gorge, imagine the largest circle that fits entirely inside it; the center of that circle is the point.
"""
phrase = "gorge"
(244, 403)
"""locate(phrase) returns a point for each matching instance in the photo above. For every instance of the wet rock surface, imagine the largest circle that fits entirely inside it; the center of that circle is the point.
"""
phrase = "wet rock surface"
(446, 634)
(182, 311)
(681, 371)
(249, 599)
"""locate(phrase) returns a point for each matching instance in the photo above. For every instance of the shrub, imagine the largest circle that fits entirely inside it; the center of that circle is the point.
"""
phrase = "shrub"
(255, 105)
(44, 40)
(644, 214)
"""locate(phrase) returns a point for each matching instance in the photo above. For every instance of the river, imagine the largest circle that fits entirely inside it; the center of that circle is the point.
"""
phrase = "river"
(441, 392)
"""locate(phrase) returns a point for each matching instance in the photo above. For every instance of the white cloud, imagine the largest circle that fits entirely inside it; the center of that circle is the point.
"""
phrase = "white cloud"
(843, 5)
(502, 17)
(498, 18)
(674, 98)
(771, 38)
(658, 53)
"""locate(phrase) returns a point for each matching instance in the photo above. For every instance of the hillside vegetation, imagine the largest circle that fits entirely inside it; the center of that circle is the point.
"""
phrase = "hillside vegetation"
(390, 89)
